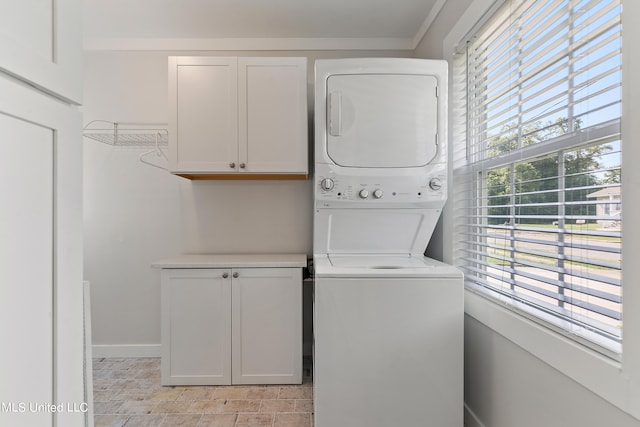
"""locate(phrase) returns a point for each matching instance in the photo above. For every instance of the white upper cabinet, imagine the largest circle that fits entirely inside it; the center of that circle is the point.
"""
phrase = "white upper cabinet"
(204, 121)
(41, 43)
(273, 114)
(238, 118)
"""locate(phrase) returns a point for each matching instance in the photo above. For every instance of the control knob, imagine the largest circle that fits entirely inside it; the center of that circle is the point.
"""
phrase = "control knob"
(363, 193)
(327, 184)
(377, 194)
(435, 184)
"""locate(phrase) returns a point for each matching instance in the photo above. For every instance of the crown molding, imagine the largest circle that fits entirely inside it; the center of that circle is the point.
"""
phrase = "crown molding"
(433, 13)
(243, 44)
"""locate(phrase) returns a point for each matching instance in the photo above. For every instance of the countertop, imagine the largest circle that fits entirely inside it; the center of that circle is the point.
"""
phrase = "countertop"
(232, 261)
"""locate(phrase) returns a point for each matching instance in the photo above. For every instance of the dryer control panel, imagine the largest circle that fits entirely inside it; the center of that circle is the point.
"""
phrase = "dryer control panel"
(368, 191)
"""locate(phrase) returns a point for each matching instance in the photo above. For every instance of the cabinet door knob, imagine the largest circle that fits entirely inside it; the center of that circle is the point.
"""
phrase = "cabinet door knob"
(225, 275)
(235, 275)
(242, 165)
(232, 165)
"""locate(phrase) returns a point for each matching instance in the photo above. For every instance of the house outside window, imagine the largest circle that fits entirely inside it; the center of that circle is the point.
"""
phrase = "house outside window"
(608, 206)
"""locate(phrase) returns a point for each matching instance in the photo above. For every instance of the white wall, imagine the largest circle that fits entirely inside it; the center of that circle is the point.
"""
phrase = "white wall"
(431, 44)
(505, 386)
(430, 47)
(135, 214)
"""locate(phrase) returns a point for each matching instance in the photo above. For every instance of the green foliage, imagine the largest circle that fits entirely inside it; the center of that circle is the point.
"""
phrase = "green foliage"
(531, 188)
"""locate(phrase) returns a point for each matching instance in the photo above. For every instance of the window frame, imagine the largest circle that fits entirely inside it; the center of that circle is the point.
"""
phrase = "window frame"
(616, 381)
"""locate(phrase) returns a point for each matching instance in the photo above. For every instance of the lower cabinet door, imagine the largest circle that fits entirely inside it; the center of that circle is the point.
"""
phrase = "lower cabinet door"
(196, 326)
(267, 326)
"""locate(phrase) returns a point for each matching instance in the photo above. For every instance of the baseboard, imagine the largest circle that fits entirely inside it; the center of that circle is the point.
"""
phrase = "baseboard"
(126, 350)
(471, 419)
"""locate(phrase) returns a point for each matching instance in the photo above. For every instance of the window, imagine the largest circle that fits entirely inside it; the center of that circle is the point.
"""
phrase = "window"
(538, 206)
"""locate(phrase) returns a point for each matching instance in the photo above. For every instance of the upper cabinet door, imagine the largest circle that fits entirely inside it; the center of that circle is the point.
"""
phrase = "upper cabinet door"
(272, 110)
(203, 114)
(41, 43)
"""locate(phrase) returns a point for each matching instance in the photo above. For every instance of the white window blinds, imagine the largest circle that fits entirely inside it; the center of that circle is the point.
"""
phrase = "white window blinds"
(537, 200)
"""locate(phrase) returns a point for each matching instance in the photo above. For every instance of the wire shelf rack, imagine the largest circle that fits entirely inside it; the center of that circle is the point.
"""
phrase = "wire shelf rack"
(127, 134)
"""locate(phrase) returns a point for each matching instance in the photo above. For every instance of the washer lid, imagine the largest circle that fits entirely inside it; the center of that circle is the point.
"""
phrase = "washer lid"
(376, 261)
(376, 265)
(382, 120)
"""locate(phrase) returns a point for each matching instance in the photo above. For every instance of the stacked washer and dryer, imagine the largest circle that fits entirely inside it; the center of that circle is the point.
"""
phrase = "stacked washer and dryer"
(388, 321)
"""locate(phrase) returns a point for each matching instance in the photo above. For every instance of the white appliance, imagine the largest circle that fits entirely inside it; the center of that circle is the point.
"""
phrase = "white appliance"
(387, 320)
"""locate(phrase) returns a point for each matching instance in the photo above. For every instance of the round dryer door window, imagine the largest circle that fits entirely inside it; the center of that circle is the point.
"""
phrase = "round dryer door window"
(382, 120)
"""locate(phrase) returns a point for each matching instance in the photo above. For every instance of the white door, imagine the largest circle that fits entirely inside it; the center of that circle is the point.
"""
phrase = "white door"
(267, 326)
(382, 120)
(41, 305)
(203, 120)
(196, 326)
(40, 257)
(26, 266)
(272, 105)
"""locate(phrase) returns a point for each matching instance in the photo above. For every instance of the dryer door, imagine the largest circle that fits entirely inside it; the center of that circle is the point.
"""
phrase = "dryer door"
(382, 120)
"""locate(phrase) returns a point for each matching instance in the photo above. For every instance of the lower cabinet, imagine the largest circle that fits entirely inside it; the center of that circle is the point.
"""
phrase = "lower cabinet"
(224, 326)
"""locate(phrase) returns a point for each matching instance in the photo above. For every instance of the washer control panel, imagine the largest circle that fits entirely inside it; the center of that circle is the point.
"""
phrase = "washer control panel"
(381, 190)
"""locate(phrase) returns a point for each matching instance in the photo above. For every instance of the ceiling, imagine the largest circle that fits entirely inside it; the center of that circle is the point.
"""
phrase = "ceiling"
(260, 24)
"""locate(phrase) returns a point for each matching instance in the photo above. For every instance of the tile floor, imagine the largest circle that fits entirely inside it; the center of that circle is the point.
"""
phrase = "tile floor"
(127, 392)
